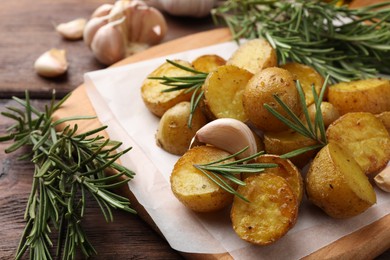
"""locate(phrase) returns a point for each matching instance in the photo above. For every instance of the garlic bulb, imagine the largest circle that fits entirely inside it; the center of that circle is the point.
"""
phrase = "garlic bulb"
(194, 8)
(141, 26)
(51, 63)
(72, 30)
(227, 134)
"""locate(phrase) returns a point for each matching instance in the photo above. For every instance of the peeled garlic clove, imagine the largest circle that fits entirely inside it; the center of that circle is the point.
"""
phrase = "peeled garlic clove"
(102, 10)
(72, 30)
(382, 179)
(51, 63)
(92, 27)
(108, 44)
(227, 134)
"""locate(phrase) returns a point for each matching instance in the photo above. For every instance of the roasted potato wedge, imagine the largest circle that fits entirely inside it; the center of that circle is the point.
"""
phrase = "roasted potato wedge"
(254, 55)
(337, 184)
(194, 189)
(223, 90)
(271, 212)
(152, 93)
(285, 169)
(363, 136)
(307, 76)
(280, 143)
(173, 133)
(208, 62)
(385, 119)
(261, 89)
(368, 95)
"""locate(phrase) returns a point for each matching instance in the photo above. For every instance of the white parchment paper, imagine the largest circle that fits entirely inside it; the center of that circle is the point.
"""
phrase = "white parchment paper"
(115, 95)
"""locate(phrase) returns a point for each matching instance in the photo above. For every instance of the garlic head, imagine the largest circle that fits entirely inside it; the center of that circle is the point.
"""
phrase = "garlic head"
(72, 30)
(51, 63)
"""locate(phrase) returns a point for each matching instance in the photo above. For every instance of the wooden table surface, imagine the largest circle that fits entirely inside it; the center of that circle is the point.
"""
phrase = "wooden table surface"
(26, 31)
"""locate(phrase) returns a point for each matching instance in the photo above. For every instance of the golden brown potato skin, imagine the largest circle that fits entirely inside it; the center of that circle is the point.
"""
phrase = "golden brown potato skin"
(271, 212)
(194, 189)
(307, 76)
(384, 117)
(337, 184)
(369, 95)
(151, 91)
(280, 143)
(261, 89)
(363, 136)
(254, 55)
(285, 169)
(173, 134)
(223, 90)
(208, 62)
(328, 111)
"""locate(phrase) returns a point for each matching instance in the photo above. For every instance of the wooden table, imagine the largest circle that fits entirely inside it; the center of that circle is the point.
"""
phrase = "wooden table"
(26, 31)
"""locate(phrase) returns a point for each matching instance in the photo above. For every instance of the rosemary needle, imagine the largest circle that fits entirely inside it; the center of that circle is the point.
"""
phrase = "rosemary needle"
(67, 166)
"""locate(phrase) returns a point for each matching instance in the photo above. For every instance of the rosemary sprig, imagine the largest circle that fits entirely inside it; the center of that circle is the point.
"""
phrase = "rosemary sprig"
(219, 172)
(313, 130)
(342, 42)
(67, 166)
(189, 83)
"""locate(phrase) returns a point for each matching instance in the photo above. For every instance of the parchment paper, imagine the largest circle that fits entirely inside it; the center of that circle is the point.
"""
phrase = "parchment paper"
(115, 95)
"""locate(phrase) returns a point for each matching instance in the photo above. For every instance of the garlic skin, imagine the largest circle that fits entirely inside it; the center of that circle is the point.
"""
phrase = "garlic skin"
(227, 134)
(193, 8)
(102, 10)
(72, 30)
(108, 44)
(51, 63)
(142, 27)
(382, 179)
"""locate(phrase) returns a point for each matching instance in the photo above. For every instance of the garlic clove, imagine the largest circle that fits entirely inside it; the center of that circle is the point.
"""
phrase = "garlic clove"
(382, 179)
(108, 44)
(72, 30)
(51, 63)
(102, 10)
(92, 26)
(227, 134)
(154, 26)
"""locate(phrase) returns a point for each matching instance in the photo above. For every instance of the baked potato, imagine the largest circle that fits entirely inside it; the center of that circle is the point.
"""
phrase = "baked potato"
(285, 169)
(173, 133)
(280, 143)
(193, 188)
(152, 93)
(223, 90)
(368, 95)
(271, 212)
(208, 62)
(384, 117)
(336, 183)
(261, 89)
(254, 55)
(328, 111)
(307, 76)
(363, 136)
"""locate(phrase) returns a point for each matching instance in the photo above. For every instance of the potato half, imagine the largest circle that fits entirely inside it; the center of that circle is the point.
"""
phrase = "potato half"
(368, 95)
(208, 62)
(194, 189)
(364, 137)
(223, 90)
(254, 55)
(337, 184)
(384, 117)
(271, 212)
(152, 93)
(173, 134)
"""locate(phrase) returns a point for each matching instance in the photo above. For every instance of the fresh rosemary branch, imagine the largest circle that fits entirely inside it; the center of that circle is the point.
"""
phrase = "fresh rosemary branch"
(190, 83)
(68, 165)
(219, 172)
(313, 130)
(342, 42)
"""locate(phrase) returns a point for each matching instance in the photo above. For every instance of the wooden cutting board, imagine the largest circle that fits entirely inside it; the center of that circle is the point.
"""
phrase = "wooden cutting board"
(365, 243)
